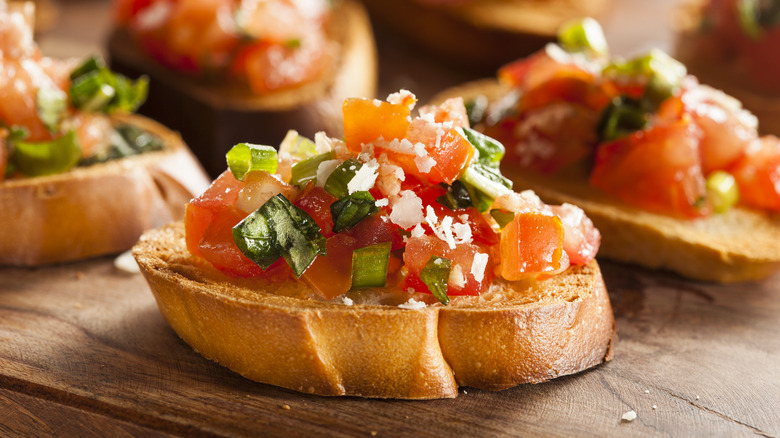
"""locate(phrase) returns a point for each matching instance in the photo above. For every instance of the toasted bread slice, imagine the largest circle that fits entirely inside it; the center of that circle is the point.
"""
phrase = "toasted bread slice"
(484, 34)
(213, 116)
(739, 245)
(97, 209)
(283, 335)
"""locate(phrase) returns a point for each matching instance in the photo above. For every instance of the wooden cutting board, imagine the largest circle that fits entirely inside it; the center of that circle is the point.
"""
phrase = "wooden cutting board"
(84, 351)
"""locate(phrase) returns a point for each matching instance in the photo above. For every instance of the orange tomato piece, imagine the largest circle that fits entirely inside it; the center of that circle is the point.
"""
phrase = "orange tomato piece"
(532, 244)
(331, 275)
(758, 174)
(366, 120)
(657, 169)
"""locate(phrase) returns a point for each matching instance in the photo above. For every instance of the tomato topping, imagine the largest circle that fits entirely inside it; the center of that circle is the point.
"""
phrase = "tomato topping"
(200, 211)
(581, 238)
(331, 275)
(449, 151)
(532, 244)
(217, 245)
(420, 249)
(758, 174)
(367, 120)
(376, 229)
(316, 201)
(657, 169)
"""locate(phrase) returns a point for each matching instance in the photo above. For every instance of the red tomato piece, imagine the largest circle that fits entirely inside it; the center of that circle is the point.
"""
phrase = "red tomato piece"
(331, 275)
(758, 175)
(581, 239)
(420, 249)
(532, 244)
(366, 120)
(316, 201)
(657, 169)
(199, 211)
(218, 247)
(376, 229)
(578, 89)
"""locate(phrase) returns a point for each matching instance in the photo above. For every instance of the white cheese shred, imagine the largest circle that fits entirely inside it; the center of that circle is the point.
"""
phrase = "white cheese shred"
(478, 266)
(413, 304)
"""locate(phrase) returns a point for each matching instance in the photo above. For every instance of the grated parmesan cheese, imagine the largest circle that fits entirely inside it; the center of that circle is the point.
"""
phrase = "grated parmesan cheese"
(126, 263)
(364, 178)
(478, 266)
(418, 231)
(407, 210)
(446, 231)
(457, 278)
(629, 416)
(383, 202)
(348, 301)
(413, 304)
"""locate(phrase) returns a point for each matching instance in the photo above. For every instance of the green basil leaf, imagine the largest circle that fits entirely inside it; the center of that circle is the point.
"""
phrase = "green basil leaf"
(436, 275)
(621, 117)
(46, 157)
(457, 196)
(369, 265)
(489, 152)
(280, 229)
(351, 209)
(246, 157)
(337, 182)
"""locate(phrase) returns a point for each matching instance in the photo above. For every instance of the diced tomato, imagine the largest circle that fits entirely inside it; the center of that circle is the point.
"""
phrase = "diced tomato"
(657, 169)
(577, 89)
(528, 73)
(532, 245)
(451, 110)
(758, 174)
(376, 229)
(199, 211)
(126, 10)
(268, 67)
(366, 120)
(420, 249)
(331, 275)
(450, 151)
(549, 138)
(581, 239)
(481, 231)
(316, 201)
(218, 247)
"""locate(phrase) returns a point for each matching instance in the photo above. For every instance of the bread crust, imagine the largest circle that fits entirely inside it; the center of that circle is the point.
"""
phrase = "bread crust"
(227, 112)
(739, 245)
(282, 335)
(98, 209)
(481, 35)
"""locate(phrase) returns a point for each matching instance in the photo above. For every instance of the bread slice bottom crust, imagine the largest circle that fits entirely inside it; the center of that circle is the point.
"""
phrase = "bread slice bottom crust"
(277, 333)
(739, 245)
(98, 209)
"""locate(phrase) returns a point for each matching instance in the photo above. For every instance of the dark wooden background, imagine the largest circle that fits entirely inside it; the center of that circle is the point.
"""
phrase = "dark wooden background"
(85, 352)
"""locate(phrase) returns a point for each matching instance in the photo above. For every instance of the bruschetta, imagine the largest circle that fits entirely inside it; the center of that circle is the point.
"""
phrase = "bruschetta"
(79, 175)
(223, 71)
(673, 172)
(397, 263)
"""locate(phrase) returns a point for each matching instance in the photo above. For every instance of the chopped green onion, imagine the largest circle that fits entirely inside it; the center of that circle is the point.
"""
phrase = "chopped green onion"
(502, 217)
(304, 171)
(457, 196)
(280, 229)
(51, 103)
(337, 182)
(583, 35)
(298, 146)
(47, 157)
(16, 132)
(621, 117)
(476, 108)
(489, 151)
(369, 265)
(96, 88)
(484, 184)
(351, 209)
(293, 43)
(664, 74)
(722, 191)
(246, 157)
(748, 17)
(436, 275)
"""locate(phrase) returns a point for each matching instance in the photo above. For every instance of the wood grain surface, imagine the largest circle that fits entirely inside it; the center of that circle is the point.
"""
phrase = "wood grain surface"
(83, 349)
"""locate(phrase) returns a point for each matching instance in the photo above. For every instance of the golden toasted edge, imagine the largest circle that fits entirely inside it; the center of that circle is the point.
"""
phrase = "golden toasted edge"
(555, 327)
(98, 209)
(739, 245)
(355, 60)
